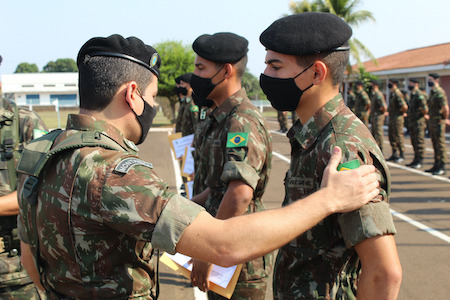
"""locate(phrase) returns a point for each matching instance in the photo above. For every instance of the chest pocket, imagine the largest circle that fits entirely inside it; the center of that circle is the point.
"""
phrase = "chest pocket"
(215, 162)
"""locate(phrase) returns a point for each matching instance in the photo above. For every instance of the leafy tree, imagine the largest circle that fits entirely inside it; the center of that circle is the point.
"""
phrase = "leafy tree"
(345, 9)
(61, 65)
(26, 68)
(251, 85)
(176, 59)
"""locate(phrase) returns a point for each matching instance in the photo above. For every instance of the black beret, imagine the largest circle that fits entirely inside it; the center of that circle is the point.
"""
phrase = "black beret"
(375, 82)
(130, 48)
(221, 47)
(177, 80)
(307, 33)
(359, 82)
(434, 75)
(393, 80)
(414, 80)
(186, 77)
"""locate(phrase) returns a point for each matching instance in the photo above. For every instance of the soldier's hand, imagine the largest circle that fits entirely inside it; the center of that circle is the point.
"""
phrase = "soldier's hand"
(350, 189)
(200, 274)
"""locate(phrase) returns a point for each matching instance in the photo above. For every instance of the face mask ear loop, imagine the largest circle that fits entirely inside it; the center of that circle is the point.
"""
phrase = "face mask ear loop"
(305, 70)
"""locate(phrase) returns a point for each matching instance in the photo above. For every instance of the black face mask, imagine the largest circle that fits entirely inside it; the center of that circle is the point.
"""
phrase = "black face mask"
(430, 83)
(410, 87)
(390, 85)
(145, 119)
(282, 93)
(202, 87)
(202, 102)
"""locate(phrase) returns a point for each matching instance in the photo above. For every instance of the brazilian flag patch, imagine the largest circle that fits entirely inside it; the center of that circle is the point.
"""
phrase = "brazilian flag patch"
(37, 133)
(239, 139)
(353, 164)
(194, 108)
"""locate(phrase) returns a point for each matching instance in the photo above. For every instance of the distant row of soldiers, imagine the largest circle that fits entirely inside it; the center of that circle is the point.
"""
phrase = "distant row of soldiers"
(420, 110)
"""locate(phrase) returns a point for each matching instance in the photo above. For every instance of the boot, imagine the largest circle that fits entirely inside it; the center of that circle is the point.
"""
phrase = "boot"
(413, 162)
(432, 168)
(393, 156)
(400, 159)
(440, 169)
(417, 164)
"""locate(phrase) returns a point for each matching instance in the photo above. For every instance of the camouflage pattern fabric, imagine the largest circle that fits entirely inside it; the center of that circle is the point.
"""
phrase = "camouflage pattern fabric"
(396, 121)
(200, 131)
(377, 117)
(237, 121)
(322, 263)
(351, 100)
(180, 115)
(100, 214)
(416, 122)
(282, 121)
(190, 117)
(437, 100)
(14, 280)
(362, 101)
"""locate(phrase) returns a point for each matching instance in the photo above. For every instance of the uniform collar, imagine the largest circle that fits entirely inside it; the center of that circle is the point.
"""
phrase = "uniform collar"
(306, 135)
(89, 123)
(220, 113)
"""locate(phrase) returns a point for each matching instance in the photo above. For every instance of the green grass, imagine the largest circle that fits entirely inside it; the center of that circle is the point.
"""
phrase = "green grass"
(51, 118)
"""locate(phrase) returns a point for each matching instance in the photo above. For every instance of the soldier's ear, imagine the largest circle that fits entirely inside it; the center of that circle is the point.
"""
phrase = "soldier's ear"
(320, 72)
(131, 94)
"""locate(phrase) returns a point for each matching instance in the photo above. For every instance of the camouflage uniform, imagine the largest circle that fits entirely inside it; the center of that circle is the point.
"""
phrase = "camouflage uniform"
(190, 117)
(351, 100)
(236, 145)
(20, 125)
(100, 214)
(437, 100)
(200, 130)
(361, 101)
(282, 120)
(416, 122)
(396, 122)
(322, 263)
(377, 117)
(180, 116)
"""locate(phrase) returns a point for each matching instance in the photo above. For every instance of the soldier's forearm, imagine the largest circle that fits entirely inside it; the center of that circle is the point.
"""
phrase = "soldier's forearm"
(9, 205)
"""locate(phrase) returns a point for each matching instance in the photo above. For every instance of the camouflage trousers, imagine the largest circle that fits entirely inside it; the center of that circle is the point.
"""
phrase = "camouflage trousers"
(251, 289)
(417, 134)
(364, 117)
(377, 129)
(282, 120)
(395, 132)
(437, 134)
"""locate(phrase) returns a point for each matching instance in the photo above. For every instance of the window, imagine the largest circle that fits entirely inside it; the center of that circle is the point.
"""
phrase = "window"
(70, 84)
(27, 85)
(49, 85)
(64, 99)
(32, 99)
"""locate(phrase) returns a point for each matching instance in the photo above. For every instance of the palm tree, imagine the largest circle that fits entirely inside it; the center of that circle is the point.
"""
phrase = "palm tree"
(345, 9)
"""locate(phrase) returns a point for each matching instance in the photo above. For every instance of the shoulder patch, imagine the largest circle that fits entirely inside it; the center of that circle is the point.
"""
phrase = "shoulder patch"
(125, 165)
(350, 165)
(238, 139)
(37, 133)
(194, 108)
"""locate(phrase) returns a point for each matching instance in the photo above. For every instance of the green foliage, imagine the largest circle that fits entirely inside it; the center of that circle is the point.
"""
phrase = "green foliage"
(365, 77)
(26, 68)
(251, 85)
(61, 65)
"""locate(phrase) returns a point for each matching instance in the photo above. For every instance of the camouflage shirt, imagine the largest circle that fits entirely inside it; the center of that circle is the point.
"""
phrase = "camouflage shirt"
(417, 105)
(396, 102)
(100, 213)
(437, 100)
(361, 101)
(236, 145)
(378, 103)
(322, 263)
(190, 117)
(180, 115)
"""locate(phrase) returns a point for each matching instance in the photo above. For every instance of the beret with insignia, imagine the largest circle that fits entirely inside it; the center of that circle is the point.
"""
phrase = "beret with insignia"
(130, 48)
(359, 83)
(221, 47)
(414, 80)
(434, 75)
(306, 34)
(393, 80)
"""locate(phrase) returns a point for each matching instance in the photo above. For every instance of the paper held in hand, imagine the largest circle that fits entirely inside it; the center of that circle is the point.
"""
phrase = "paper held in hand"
(223, 280)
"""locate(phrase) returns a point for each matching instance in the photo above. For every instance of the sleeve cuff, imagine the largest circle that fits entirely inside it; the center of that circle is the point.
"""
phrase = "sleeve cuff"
(371, 220)
(238, 170)
(175, 218)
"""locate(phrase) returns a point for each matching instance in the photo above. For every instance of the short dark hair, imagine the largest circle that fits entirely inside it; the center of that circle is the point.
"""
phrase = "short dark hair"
(100, 78)
(241, 66)
(336, 61)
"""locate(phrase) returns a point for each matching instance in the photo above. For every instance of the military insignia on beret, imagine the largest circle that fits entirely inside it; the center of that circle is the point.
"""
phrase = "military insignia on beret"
(350, 165)
(153, 59)
(125, 165)
(194, 108)
(239, 139)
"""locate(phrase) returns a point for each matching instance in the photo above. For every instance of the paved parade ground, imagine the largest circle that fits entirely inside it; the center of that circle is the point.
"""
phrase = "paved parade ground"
(420, 204)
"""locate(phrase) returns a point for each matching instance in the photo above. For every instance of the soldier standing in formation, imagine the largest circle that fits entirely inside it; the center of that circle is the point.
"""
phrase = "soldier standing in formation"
(281, 116)
(18, 126)
(362, 103)
(189, 119)
(417, 110)
(378, 110)
(235, 151)
(347, 255)
(351, 98)
(437, 116)
(397, 107)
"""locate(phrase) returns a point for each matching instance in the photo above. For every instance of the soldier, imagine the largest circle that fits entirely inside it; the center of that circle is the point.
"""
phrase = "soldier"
(190, 115)
(294, 117)
(417, 109)
(351, 98)
(378, 110)
(347, 255)
(182, 104)
(18, 126)
(91, 211)
(281, 116)
(397, 107)
(235, 151)
(438, 114)
(362, 103)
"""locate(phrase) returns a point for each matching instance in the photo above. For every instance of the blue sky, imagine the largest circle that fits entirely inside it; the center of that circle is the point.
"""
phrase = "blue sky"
(43, 31)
